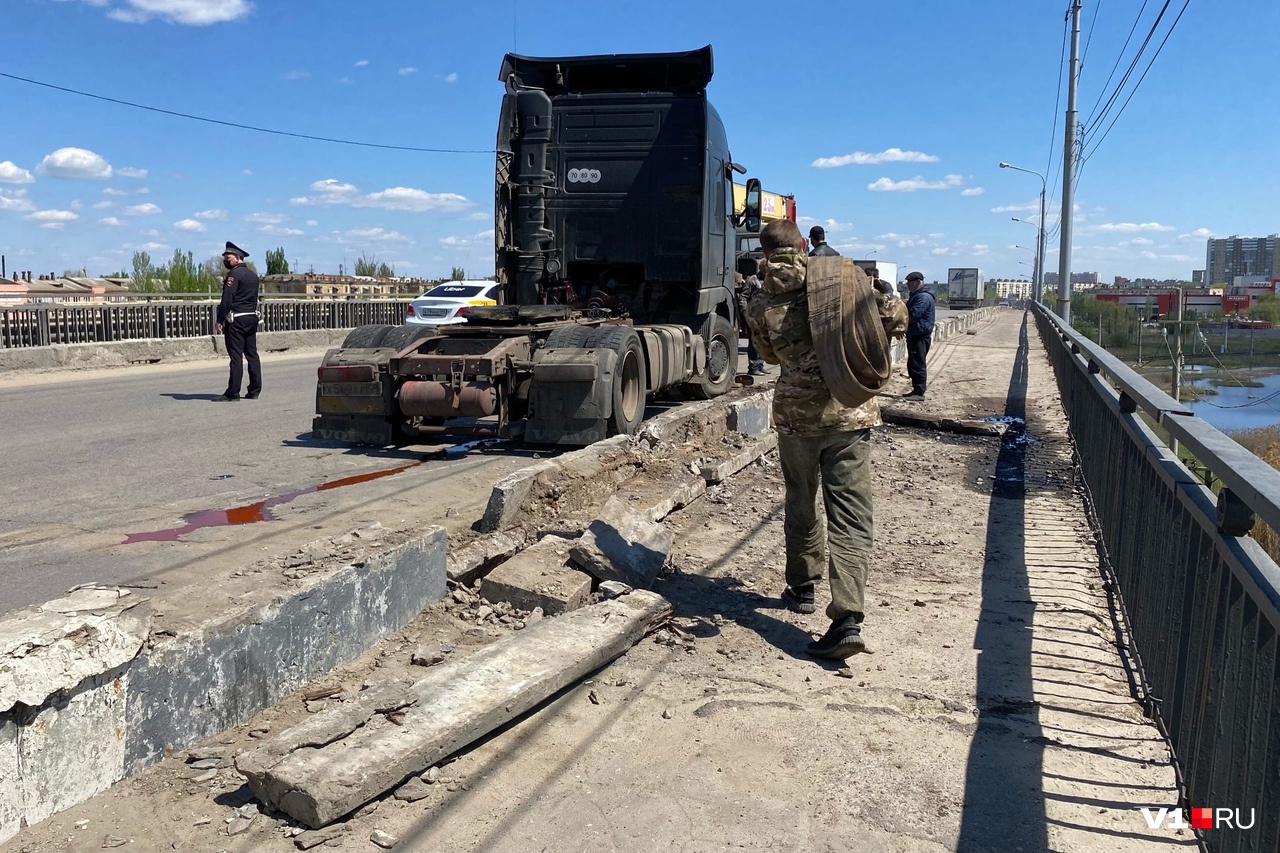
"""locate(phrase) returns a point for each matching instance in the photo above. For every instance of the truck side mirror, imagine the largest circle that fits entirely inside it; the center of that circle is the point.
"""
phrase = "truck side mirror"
(751, 212)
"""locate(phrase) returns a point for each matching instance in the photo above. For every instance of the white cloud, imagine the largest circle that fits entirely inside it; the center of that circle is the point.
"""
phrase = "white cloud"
(941, 250)
(478, 216)
(979, 248)
(376, 234)
(910, 185)
(248, 171)
(346, 80)
(937, 235)
(151, 232)
(57, 226)
(142, 191)
(265, 218)
(103, 205)
(1138, 241)
(332, 191)
(1131, 227)
(154, 247)
(973, 191)
(407, 70)
(147, 209)
(362, 63)
(53, 216)
(1017, 208)
(15, 201)
(297, 74)
(11, 173)
(1148, 255)
(1198, 234)
(215, 213)
(131, 172)
(862, 158)
(76, 204)
(278, 231)
(311, 223)
(110, 220)
(113, 191)
(196, 13)
(75, 164)
(451, 77)
(189, 225)
(1186, 259)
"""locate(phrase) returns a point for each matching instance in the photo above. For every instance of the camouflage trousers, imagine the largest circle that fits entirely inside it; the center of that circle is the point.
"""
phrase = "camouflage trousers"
(841, 461)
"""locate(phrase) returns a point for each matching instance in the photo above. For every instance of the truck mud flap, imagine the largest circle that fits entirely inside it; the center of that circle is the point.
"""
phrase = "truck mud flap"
(571, 396)
(354, 429)
(355, 382)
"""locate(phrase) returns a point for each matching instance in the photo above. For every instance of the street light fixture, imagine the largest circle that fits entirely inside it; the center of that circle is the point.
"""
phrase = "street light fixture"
(1038, 275)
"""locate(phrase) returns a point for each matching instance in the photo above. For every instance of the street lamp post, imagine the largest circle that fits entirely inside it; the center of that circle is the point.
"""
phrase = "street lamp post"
(1038, 286)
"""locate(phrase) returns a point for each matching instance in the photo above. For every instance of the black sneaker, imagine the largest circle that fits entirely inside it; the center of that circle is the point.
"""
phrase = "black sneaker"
(252, 395)
(799, 598)
(225, 398)
(843, 639)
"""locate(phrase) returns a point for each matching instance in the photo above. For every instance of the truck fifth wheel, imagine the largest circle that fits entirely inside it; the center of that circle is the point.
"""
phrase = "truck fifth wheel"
(615, 231)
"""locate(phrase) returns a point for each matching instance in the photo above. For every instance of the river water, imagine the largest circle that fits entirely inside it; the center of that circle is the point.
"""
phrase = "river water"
(1234, 407)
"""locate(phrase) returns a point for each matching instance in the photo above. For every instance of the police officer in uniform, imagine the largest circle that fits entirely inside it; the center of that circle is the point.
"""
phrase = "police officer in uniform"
(237, 321)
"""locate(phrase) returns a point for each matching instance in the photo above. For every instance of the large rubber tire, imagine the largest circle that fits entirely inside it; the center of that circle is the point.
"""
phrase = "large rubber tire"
(399, 337)
(629, 380)
(366, 337)
(570, 336)
(722, 359)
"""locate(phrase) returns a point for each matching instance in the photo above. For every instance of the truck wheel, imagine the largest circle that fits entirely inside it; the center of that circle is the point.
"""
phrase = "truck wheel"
(399, 337)
(366, 337)
(629, 382)
(722, 358)
(570, 336)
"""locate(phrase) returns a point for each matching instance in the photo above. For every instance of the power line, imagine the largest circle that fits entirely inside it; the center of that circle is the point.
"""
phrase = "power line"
(1139, 83)
(1119, 57)
(269, 130)
(1101, 116)
(1089, 38)
(1057, 99)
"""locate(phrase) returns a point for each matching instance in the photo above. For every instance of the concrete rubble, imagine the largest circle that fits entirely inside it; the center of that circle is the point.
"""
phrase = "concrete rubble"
(344, 757)
(623, 545)
(539, 576)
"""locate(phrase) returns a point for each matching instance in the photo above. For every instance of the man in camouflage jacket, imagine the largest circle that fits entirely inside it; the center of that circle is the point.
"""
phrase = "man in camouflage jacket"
(819, 441)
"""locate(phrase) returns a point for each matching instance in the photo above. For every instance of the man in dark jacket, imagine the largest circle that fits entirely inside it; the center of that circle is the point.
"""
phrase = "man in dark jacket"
(919, 332)
(818, 242)
(237, 320)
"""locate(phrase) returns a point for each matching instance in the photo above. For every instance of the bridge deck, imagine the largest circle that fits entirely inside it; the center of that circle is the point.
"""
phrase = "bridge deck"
(996, 712)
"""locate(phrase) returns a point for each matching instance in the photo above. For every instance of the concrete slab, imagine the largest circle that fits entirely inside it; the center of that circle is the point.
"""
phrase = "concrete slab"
(10, 780)
(720, 471)
(467, 563)
(539, 576)
(318, 781)
(623, 545)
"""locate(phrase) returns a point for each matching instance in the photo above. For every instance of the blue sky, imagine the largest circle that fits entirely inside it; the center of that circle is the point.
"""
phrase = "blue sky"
(886, 120)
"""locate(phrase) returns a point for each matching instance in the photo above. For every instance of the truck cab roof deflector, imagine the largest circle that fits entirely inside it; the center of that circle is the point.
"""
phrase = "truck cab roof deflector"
(686, 71)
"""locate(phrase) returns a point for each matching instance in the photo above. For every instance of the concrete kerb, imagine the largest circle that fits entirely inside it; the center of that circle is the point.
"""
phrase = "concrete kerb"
(61, 743)
(154, 351)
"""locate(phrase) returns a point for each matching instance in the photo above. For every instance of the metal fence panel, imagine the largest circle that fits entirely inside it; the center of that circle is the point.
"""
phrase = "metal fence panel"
(45, 325)
(1201, 604)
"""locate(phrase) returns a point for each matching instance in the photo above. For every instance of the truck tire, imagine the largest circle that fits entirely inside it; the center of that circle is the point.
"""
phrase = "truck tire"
(722, 358)
(570, 336)
(399, 337)
(366, 337)
(629, 381)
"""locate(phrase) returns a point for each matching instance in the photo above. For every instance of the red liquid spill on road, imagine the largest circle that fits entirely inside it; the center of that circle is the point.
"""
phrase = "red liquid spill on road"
(255, 512)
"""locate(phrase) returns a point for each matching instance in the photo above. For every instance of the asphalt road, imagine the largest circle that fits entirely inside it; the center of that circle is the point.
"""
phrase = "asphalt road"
(90, 458)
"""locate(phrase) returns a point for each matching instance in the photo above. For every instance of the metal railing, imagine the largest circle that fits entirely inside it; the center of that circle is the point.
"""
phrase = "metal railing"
(45, 325)
(1201, 598)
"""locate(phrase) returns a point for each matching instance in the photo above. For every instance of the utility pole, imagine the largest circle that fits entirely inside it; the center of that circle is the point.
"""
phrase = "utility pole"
(1139, 339)
(1069, 172)
(1177, 353)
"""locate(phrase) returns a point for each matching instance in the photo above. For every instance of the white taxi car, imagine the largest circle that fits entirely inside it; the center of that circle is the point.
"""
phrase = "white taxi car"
(447, 304)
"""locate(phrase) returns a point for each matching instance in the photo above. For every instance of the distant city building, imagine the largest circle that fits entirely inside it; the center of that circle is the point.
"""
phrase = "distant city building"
(25, 290)
(1011, 288)
(1086, 278)
(1228, 257)
(1197, 276)
(318, 284)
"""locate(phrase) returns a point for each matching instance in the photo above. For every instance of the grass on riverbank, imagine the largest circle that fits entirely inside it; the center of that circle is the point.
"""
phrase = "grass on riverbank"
(1264, 443)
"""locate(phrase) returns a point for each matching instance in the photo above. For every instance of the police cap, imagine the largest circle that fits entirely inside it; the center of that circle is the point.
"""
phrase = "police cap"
(233, 249)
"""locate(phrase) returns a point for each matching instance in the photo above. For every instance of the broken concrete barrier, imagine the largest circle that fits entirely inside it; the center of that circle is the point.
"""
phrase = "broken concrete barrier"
(718, 472)
(341, 758)
(623, 545)
(539, 576)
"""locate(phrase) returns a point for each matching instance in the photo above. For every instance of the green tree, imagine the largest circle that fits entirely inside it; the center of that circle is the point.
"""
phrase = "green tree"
(212, 272)
(185, 276)
(1268, 308)
(144, 274)
(367, 265)
(277, 264)
(458, 274)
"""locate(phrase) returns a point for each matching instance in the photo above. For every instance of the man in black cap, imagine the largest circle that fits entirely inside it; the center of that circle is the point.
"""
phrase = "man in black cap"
(818, 240)
(919, 332)
(237, 321)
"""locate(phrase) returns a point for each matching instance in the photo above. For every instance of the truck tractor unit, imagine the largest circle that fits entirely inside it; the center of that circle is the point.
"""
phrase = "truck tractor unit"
(615, 240)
